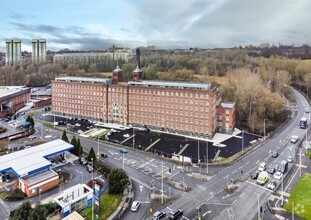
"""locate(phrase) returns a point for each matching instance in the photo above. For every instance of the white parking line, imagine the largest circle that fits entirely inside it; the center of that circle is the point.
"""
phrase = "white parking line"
(241, 195)
(233, 172)
(219, 191)
(247, 163)
(241, 167)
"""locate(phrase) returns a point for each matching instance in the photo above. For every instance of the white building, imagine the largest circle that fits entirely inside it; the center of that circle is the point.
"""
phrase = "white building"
(13, 52)
(38, 51)
(74, 198)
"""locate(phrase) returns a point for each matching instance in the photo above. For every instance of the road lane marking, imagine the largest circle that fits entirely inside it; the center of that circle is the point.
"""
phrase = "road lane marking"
(224, 210)
(241, 167)
(219, 191)
(247, 163)
(201, 186)
(208, 212)
(254, 184)
(241, 195)
(233, 172)
(224, 197)
(226, 177)
(140, 182)
(234, 201)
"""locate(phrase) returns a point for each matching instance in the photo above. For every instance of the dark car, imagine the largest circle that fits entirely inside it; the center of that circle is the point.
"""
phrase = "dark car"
(7, 178)
(62, 160)
(159, 215)
(175, 214)
(271, 170)
(254, 175)
(104, 155)
(274, 154)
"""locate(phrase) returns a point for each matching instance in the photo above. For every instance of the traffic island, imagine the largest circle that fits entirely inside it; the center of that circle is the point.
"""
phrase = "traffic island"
(157, 202)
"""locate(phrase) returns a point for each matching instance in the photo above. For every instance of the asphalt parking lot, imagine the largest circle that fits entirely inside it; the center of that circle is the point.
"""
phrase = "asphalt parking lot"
(163, 143)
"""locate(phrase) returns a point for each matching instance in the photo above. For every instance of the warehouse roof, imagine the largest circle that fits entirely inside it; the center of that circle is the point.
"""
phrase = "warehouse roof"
(85, 79)
(32, 160)
(165, 84)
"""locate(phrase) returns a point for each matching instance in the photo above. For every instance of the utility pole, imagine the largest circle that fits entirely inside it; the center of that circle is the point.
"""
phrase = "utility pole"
(206, 158)
(93, 190)
(242, 142)
(258, 206)
(162, 186)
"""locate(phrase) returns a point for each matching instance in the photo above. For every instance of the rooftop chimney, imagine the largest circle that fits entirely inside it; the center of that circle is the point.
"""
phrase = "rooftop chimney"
(138, 58)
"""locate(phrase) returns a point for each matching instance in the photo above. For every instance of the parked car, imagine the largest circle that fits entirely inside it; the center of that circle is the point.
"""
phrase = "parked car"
(254, 175)
(104, 155)
(52, 162)
(62, 160)
(175, 214)
(271, 184)
(289, 159)
(126, 135)
(278, 175)
(159, 215)
(123, 150)
(89, 168)
(271, 170)
(274, 154)
(135, 206)
(7, 178)
(77, 125)
(82, 161)
(32, 137)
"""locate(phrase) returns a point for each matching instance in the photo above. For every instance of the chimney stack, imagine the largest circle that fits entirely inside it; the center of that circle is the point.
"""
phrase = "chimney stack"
(117, 74)
(138, 58)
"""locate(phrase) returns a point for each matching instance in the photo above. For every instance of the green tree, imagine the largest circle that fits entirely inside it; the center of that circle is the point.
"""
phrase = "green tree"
(117, 180)
(74, 143)
(40, 212)
(79, 148)
(91, 155)
(30, 120)
(64, 136)
(22, 212)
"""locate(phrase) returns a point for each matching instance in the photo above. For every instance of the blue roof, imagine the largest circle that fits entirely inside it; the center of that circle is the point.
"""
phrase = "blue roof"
(25, 123)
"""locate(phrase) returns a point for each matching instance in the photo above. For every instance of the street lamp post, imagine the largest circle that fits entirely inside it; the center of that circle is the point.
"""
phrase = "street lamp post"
(206, 158)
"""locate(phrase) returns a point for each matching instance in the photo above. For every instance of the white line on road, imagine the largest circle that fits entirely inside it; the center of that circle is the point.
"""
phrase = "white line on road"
(233, 172)
(241, 167)
(226, 177)
(6, 209)
(219, 191)
(224, 210)
(234, 201)
(209, 211)
(201, 187)
(224, 197)
(254, 184)
(140, 182)
(241, 195)
(247, 163)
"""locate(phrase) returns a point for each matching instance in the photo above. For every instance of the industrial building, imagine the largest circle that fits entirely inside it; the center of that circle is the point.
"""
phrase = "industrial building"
(13, 98)
(13, 52)
(31, 166)
(38, 55)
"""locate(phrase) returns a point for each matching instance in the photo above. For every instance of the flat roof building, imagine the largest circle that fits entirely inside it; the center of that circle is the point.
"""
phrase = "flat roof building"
(177, 107)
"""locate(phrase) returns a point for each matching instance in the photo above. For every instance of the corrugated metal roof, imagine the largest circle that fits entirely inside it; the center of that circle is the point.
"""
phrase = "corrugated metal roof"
(32, 160)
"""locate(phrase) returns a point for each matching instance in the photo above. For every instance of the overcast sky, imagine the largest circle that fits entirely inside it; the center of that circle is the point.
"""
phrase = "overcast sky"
(98, 24)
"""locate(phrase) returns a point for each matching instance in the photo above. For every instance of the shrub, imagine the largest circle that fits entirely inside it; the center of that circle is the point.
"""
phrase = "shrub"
(16, 195)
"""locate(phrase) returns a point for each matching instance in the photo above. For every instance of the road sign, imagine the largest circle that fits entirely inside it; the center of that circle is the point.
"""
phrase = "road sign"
(141, 188)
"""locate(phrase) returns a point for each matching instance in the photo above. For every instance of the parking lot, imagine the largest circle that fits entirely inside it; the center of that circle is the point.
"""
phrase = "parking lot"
(160, 143)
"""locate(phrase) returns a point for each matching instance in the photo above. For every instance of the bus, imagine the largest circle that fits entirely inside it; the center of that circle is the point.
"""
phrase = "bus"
(303, 123)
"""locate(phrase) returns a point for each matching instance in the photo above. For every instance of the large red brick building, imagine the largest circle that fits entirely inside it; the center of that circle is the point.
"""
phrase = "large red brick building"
(178, 107)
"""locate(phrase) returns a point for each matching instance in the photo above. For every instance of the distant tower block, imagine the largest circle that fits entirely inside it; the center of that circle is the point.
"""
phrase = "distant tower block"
(13, 53)
(117, 74)
(38, 51)
(137, 74)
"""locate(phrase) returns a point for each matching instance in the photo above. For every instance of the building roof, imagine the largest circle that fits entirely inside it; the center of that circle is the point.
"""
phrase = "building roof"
(85, 79)
(227, 104)
(32, 160)
(38, 177)
(9, 90)
(118, 69)
(165, 84)
(73, 216)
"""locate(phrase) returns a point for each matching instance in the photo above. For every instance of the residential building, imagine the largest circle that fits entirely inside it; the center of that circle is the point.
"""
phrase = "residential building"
(177, 107)
(13, 54)
(38, 55)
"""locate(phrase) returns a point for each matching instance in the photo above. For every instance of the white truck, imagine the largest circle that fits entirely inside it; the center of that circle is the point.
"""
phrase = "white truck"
(294, 139)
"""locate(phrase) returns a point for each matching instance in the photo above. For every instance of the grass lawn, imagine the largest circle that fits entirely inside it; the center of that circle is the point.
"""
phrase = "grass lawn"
(301, 196)
(308, 154)
(108, 204)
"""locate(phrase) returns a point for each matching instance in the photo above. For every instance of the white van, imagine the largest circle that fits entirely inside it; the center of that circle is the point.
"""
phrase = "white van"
(262, 167)
(294, 139)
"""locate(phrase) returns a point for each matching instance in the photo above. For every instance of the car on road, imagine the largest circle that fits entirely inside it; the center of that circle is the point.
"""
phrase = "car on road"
(89, 168)
(104, 155)
(255, 174)
(78, 125)
(22, 113)
(175, 214)
(82, 161)
(278, 175)
(263, 178)
(262, 167)
(135, 206)
(276, 167)
(123, 150)
(271, 184)
(126, 135)
(274, 154)
(307, 110)
(159, 215)
(289, 159)
(32, 137)
(271, 170)
(294, 139)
